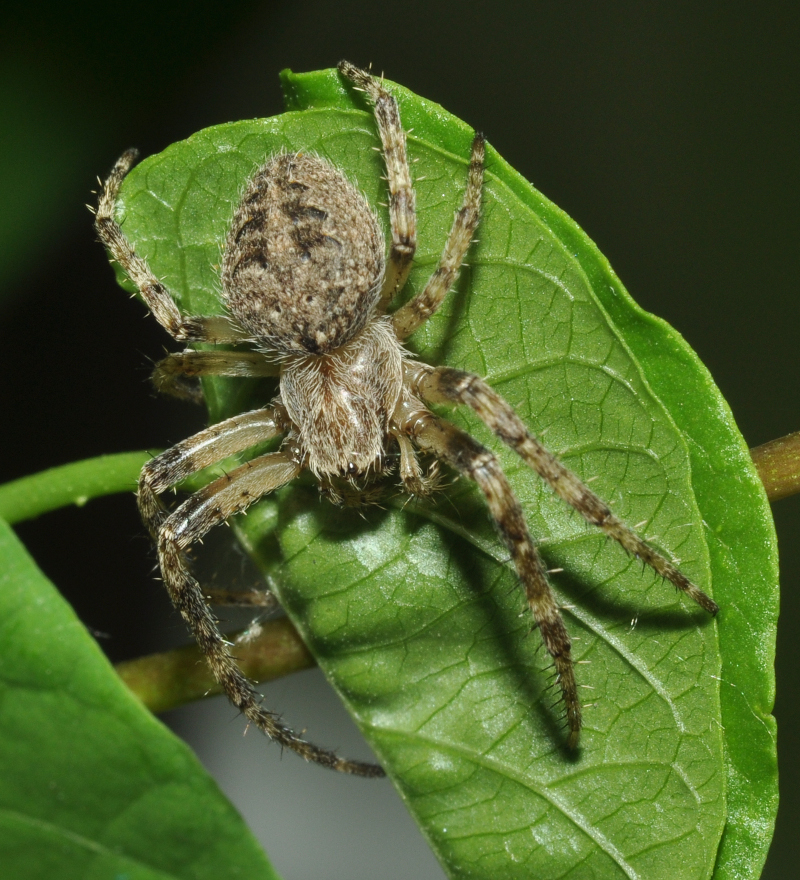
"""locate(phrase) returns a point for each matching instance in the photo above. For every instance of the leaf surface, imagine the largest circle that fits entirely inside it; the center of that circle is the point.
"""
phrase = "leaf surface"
(413, 611)
(92, 785)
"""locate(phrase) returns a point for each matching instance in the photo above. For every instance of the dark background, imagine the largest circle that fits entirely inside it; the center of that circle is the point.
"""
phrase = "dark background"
(669, 131)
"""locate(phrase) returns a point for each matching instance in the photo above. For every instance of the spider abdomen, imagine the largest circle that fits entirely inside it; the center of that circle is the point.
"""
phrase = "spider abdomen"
(304, 257)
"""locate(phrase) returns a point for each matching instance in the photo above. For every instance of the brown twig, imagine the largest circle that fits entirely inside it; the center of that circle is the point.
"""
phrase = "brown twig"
(164, 681)
(778, 465)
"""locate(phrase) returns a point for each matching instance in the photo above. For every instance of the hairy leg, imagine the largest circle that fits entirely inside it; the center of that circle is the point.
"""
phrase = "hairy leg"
(154, 293)
(470, 458)
(205, 509)
(446, 385)
(402, 200)
(413, 314)
(175, 374)
(200, 451)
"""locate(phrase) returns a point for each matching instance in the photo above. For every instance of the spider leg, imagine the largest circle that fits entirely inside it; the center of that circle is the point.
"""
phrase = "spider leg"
(402, 200)
(200, 451)
(415, 482)
(470, 458)
(154, 292)
(446, 385)
(413, 314)
(174, 374)
(205, 509)
(264, 599)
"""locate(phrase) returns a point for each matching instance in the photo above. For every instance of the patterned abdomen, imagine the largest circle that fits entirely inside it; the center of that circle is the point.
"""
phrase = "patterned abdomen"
(304, 257)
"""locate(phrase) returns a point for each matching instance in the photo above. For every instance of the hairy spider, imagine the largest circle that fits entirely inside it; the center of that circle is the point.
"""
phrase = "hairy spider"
(307, 285)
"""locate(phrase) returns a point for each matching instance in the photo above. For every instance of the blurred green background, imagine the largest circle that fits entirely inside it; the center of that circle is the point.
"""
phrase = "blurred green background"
(669, 131)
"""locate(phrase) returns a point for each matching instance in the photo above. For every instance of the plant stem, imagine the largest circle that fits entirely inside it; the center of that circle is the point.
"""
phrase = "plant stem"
(74, 483)
(164, 681)
(778, 465)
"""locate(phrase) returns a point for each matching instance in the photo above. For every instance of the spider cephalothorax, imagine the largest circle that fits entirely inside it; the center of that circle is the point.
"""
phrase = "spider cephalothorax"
(307, 285)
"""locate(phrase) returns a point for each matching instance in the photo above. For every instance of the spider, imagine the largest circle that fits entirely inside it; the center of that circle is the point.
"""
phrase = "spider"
(307, 285)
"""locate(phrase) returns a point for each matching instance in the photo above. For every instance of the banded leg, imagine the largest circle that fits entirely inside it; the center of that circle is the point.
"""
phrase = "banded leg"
(413, 314)
(446, 385)
(174, 374)
(205, 509)
(470, 458)
(208, 447)
(265, 600)
(154, 293)
(402, 199)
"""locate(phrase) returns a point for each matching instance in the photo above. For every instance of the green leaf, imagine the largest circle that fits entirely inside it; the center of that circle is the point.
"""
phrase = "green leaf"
(744, 555)
(92, 785)
(414, 612)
